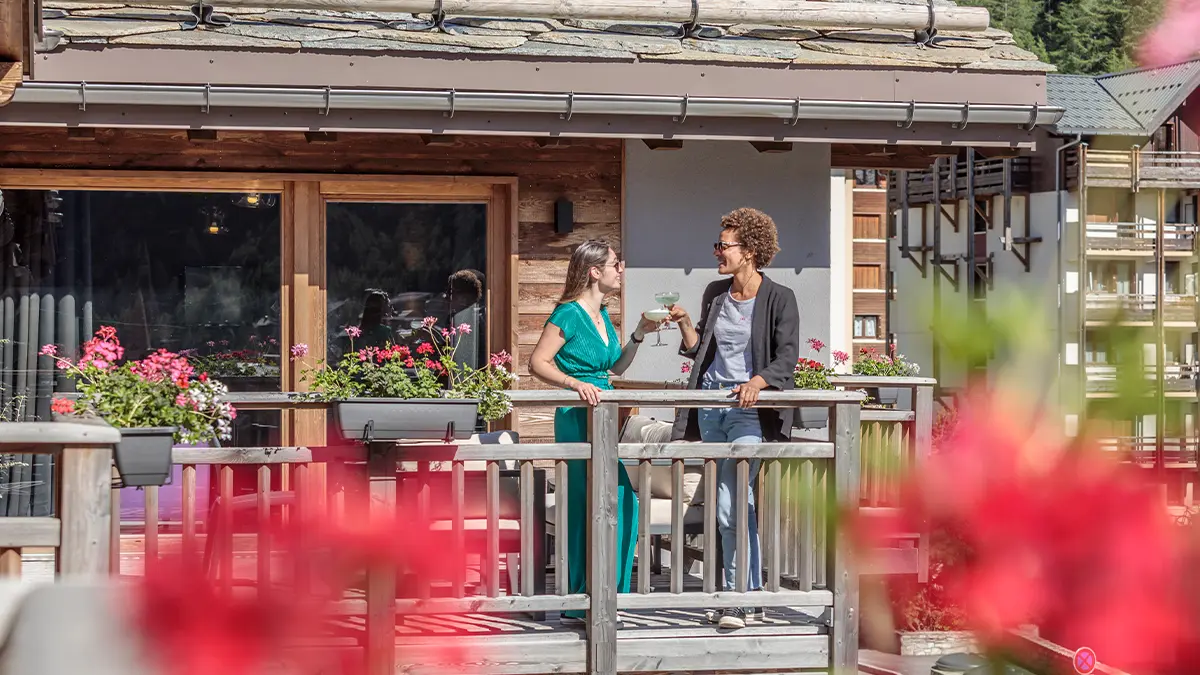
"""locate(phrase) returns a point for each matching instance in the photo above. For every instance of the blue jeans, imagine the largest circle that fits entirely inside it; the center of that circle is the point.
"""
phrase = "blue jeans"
(733, 425)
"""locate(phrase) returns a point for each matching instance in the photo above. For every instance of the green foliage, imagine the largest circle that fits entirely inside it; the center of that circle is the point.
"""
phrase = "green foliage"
(428, 372)
(871, 363)
(810, 374)
(1078, 36)
(158, 391)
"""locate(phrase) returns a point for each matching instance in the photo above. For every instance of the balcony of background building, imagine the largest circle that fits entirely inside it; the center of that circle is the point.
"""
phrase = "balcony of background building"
(1104, 307)
(1178, 378)
(1105, 237)
(1135, 169)
(1178, 452)
(951, 178)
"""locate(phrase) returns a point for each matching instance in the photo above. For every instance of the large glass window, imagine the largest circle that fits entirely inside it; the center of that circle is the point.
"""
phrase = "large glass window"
(390, 265)
(193, 273)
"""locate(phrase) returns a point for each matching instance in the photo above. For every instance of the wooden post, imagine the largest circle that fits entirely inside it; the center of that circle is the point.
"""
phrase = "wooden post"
(602, 544)
(10, 563)
(114, 541)
(85, 509)
(843, 500)
(381, 581)
(923, 447)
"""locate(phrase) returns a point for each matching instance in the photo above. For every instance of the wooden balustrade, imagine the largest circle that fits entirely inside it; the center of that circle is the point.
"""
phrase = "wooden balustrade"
(84, 454)
(1135, 169)
(489, 499)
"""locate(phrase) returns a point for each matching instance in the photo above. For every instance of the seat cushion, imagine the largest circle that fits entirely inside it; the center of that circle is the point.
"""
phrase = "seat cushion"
(660, 515)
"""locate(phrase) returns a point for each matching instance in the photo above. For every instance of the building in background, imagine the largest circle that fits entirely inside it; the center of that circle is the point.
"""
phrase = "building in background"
(872, 280)
(1118, 178)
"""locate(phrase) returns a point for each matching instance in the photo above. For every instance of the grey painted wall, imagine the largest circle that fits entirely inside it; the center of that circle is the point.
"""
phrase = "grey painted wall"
(674, 201)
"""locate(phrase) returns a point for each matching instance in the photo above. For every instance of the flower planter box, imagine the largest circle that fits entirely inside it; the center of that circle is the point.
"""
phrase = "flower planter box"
(392, 419)
(940, 642)
(937, 642)
(143, 456)
(885, 396)
(813, 417)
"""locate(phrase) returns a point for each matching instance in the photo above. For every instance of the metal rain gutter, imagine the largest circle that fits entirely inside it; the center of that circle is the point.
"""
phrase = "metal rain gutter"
(207, 97)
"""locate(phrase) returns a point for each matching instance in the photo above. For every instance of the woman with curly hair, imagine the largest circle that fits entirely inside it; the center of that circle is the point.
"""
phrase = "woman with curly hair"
(747, 340)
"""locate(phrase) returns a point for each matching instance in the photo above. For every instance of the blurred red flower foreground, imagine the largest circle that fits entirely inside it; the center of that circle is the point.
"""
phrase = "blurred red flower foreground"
(1056, 535)
(190, 627)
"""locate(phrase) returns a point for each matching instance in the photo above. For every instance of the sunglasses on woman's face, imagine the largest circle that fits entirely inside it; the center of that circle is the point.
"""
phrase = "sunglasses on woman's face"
(720, 246)
(619, 265)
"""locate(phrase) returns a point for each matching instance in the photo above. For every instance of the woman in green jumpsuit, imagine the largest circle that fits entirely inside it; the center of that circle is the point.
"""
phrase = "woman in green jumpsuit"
(577, 350)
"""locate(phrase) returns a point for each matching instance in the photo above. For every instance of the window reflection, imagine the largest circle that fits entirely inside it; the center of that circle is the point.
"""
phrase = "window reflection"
(391, 265)
(197, 274)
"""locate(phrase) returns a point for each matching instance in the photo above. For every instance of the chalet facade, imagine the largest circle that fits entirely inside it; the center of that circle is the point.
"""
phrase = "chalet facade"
(236, 180)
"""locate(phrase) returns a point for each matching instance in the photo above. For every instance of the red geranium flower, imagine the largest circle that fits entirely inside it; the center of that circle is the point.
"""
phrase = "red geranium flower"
(1057, 535)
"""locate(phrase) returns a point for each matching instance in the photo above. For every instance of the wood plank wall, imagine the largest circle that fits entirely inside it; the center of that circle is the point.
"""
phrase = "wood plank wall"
(585, 171)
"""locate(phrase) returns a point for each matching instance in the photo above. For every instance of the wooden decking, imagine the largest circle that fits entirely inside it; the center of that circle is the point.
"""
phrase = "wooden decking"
(661, 640)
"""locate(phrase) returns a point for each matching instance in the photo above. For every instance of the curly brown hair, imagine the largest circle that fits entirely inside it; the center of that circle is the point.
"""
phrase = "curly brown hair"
(756, 232)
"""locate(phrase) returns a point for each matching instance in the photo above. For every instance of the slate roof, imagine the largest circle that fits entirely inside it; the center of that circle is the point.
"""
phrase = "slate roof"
(1090, 109)
(1129, 103)
(90, 23)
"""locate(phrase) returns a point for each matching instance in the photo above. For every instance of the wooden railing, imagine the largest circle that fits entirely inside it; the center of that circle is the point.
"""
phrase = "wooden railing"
(1177, 452)
(1117, 236)
(1137, 169)
(1177, 377)
(810, 582)
(84, 457)
(1137, 307)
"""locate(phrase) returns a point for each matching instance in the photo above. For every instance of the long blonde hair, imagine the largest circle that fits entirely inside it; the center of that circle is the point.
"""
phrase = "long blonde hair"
(589, 254)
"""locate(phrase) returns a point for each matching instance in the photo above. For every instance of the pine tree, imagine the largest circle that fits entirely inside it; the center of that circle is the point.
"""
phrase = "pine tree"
(1078, 36)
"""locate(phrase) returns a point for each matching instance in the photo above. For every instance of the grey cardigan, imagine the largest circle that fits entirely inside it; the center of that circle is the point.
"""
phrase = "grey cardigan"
(774, 347)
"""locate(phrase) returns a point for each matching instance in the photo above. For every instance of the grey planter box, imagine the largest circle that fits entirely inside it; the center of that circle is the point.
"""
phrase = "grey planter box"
(392, 419)
(813, 417)
(143, 456)
(883, 395)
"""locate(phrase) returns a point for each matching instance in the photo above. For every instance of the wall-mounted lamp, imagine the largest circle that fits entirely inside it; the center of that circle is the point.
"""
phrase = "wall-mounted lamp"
(564, 215)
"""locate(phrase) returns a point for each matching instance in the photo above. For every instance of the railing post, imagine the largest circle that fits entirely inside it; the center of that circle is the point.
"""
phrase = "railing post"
(843, 501)
(922, 448)
(381, 581)
(85, 509)
(602, 544)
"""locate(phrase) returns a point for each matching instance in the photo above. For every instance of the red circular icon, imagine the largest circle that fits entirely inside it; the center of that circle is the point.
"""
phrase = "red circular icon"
(1085, 660)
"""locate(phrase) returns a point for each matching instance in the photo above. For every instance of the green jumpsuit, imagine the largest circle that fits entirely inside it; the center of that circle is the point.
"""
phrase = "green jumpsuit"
(585, 357)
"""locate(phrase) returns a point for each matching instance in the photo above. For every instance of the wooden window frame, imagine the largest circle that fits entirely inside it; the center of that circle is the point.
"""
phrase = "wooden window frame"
(302, 244)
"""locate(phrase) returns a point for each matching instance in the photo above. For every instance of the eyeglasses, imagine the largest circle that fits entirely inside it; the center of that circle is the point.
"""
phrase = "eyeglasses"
(720, 246)
(618, 265)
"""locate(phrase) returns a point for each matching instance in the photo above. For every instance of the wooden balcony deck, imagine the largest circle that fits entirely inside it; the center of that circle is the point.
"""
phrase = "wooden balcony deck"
(504, 620)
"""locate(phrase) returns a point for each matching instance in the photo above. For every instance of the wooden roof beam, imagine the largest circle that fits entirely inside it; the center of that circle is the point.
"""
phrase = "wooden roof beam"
(777, 12)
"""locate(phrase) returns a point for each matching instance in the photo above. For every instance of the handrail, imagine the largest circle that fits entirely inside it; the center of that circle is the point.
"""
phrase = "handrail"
(625, 397)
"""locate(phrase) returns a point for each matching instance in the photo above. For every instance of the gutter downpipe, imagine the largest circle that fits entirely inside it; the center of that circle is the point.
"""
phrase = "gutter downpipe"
(324, 99)
(1062, 219)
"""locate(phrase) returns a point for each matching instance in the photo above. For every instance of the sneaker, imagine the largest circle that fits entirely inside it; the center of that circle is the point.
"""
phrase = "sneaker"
(750, 614)
(732, 619)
